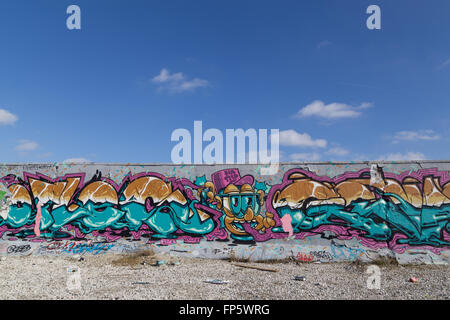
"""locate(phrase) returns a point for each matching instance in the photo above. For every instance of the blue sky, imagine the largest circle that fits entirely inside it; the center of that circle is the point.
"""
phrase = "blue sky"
(137, 70)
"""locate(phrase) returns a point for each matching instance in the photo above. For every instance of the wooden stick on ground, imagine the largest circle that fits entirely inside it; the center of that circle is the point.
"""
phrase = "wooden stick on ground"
(253, 267)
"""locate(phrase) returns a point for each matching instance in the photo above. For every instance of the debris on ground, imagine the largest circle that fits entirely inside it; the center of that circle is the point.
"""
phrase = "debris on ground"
(217, 281)
(254, 267)
(300, 278)
(413, 279)
(318, 284)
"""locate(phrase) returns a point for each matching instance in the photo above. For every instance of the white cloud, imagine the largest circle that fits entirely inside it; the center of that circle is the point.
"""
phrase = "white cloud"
(293, 138)
(331, 111)
(415, 135)
(26, 145)
(7, 117)
(338, 151)
(77, 160)
(192, 84)
(177, 82)
(305, 156)
(403, 156)
(165, 76)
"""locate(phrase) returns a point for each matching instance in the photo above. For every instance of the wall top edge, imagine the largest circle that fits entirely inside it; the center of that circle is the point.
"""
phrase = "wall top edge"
(224, 164)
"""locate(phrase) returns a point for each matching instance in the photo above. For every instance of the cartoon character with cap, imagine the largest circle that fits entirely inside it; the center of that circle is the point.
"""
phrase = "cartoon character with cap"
(239, 202)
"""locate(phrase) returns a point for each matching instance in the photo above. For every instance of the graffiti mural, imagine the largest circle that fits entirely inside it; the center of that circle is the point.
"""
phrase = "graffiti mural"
(100, 204)
(378, 209)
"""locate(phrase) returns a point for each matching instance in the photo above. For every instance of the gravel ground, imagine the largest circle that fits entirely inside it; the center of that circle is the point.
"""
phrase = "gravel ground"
(107, 277)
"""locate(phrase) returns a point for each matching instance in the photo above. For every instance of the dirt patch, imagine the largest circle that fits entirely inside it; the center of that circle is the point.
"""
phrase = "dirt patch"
(137, 258)
(144, 257)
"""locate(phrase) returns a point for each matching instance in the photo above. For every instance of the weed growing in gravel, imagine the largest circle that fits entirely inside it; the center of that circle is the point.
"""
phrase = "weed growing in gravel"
(234, 258)
(379, 261)
(385, 261)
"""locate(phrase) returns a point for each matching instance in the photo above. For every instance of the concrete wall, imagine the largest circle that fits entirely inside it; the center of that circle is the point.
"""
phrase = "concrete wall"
(306, 211)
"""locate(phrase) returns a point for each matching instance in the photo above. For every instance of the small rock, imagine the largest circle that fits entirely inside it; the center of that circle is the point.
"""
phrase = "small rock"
(320, 284)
